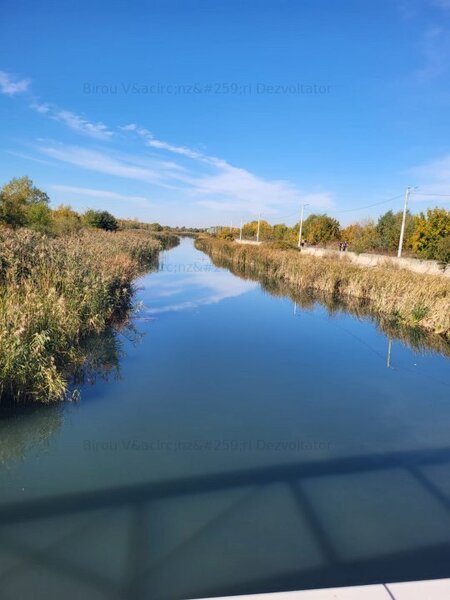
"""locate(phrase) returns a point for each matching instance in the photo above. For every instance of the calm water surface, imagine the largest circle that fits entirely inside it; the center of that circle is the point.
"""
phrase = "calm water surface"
(247, 445)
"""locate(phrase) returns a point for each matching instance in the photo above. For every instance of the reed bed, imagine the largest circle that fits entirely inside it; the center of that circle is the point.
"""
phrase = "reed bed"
(421, 301)
(54, 292)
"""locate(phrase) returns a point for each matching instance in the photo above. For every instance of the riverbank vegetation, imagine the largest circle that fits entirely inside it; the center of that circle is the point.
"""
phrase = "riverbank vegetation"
(63, 279)
(400, 296)
(427, 235)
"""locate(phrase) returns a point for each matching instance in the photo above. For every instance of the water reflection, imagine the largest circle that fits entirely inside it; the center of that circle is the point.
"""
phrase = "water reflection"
(389, 352)
(418, 339)
(188, 283)
(181, 479)
(29, 430)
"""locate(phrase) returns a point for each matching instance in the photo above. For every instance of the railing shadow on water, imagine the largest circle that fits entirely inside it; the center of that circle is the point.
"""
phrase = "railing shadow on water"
(426, 558)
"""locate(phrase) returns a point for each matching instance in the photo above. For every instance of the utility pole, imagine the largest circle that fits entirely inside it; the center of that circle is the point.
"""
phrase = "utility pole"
(240, 232)
(301, 226)
(257, 231)
(402, 231)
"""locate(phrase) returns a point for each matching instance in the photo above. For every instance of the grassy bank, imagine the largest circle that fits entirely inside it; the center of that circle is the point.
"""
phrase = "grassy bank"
(404, 297)
(54, 293)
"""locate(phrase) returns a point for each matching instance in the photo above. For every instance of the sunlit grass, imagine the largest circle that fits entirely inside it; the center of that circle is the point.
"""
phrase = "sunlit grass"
(405, 297)
(56, 291)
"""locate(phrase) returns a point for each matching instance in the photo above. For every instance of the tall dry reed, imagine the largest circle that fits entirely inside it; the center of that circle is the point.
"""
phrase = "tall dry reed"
(408, 298)
(56, 291)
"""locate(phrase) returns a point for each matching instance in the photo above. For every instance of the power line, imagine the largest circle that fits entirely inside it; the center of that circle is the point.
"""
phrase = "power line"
(347, 210)
(368, 205)
(431, 194)
(350, 209)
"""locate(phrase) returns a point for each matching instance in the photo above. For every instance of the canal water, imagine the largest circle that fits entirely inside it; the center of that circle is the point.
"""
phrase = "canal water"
(232, 442)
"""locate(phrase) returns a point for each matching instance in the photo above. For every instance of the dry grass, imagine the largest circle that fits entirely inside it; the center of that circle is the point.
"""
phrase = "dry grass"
(53, 293)
(408, 298)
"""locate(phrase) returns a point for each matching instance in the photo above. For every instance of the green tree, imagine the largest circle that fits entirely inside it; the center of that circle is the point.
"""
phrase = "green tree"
(100, 219)
(280, 231)
(430, 228)
(39, 217)
(16, 199)
(320, 229)
(442, 254)
(388, 229)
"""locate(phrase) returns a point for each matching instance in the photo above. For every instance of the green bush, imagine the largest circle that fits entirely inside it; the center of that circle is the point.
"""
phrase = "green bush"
(283, 245)
(100, 219)
(442, 253)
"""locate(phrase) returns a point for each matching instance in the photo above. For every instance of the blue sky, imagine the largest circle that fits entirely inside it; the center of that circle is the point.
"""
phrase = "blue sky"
(200, 112)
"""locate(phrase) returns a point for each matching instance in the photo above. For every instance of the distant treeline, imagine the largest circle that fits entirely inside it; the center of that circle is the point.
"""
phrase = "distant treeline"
(427, 235)
(24, 205)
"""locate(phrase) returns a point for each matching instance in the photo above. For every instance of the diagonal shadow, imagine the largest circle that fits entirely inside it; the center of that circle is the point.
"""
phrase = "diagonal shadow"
(142, 492)
(431, 561)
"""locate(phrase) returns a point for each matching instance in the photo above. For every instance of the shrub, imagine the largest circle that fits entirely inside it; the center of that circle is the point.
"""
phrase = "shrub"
(283, 245)
(442, 253)
(65, 220)
(100, 219)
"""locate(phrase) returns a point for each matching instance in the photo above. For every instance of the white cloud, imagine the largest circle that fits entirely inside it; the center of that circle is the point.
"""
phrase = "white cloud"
(210, 181)
(229, 188)
(10, 85)
(205, 287)
(239, 190)
(40, 108)
(82, 125)
(76, 122)
(152, 142)
(32, 158)
(101, 194)
(100, 162)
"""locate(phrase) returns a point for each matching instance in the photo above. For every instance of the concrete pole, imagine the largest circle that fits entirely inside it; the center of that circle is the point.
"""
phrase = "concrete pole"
(257, 231)
(240, 232)
(300, 229)
(402, 231)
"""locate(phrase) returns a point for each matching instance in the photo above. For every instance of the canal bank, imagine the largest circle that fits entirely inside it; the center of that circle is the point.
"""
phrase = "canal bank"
(156, 483)
(420, 301)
